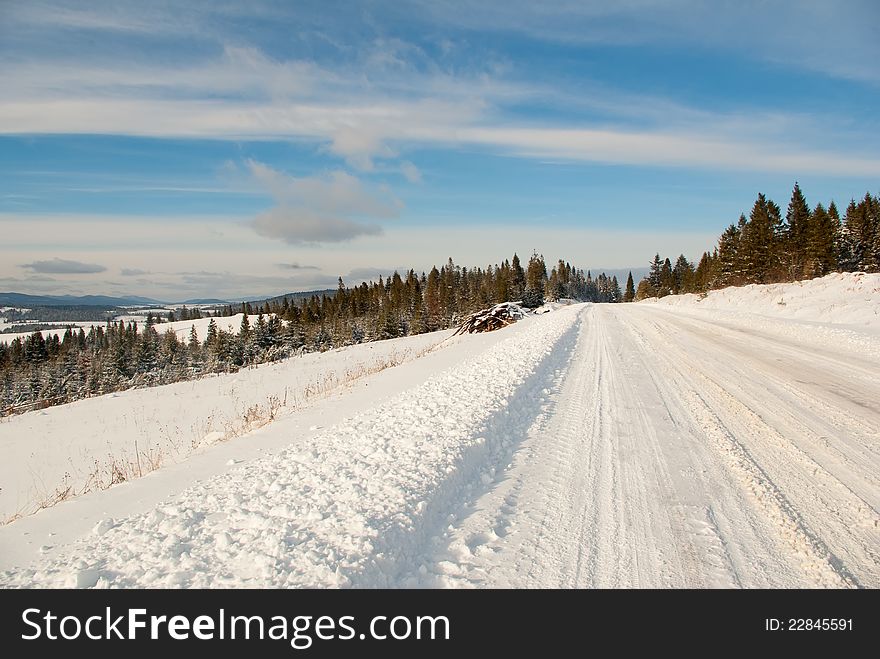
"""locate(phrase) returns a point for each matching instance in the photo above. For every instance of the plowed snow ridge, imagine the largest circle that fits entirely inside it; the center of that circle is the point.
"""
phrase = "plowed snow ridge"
(354, 509)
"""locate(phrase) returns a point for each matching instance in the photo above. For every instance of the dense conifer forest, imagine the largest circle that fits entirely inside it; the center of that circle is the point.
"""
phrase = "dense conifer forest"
(37, 371)
(767, 247)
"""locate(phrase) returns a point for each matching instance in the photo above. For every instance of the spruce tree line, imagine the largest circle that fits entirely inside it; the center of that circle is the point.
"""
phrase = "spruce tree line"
(768, 247)
(38, 371)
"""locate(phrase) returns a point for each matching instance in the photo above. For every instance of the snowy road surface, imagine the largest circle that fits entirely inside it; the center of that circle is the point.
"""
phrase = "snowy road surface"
(599, 445)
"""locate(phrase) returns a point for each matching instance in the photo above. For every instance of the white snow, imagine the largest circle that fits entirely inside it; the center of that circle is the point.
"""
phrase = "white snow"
(841, 298)
(78, 445)
(650, 445)
(180, 327)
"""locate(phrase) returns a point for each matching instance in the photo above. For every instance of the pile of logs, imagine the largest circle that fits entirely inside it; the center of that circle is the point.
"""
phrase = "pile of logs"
(490, 319)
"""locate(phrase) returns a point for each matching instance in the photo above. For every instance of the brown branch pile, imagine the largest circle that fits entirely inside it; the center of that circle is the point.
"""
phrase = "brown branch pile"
(487, 320)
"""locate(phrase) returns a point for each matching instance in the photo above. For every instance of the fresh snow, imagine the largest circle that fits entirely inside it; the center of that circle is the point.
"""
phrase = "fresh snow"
(841, 298)
(180, 327)
(666, 444)
(77, 444)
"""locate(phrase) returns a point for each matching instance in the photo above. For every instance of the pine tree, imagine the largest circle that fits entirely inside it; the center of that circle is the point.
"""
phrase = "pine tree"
(654, 277)
(261, 333)
(211, 336)
(683, 273)
(630, 293)
(860, 233)
(872, 261)
(875, 210)
(518, 275)
(614, 290)
(760, 242)
(797, 229)
(822, 243)
(667, 280)
(536, 275)
(729, 257)
(195, 347)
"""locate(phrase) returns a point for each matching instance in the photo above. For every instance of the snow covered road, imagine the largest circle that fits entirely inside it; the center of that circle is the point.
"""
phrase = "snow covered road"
(599, 445)
(686, 452)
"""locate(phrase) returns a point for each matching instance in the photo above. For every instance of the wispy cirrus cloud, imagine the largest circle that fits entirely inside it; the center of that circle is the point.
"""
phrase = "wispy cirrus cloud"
(381, 96)
(428, 124)
(773, 32)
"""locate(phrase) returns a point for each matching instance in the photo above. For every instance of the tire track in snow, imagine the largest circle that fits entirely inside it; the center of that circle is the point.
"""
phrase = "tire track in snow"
(824, 492)
(589, 498)
(815, 513)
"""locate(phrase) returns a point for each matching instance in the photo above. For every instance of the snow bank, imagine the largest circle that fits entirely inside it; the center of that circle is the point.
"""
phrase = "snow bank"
(87, 444)
(840, 298)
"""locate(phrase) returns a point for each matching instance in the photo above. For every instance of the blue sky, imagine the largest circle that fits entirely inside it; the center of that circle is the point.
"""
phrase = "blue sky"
(196, 149)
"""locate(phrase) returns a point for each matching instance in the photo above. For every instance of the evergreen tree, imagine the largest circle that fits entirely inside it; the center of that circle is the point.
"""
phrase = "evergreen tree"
(630, 293)
(839, 253)
(211, 336)
(797, 221)
(518, 276)
(667, 280)
(614, 290)
(682, 274)
(729, 258)
(195, 347)
(760, 242)
(822, 244)
(536, 276)
(261, 333)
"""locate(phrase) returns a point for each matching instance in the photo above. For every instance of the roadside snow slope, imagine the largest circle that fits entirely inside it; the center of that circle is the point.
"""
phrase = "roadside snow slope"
(353, 507)
(79, 445)
(841, 298)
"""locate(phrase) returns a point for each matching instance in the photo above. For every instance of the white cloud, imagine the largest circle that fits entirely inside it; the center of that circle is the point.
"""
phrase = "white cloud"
(675, 149)
(429, 124)
(320, 209)
(391, 96)
(362, 132)
(301, 225)
(410, 172)
(58, 266)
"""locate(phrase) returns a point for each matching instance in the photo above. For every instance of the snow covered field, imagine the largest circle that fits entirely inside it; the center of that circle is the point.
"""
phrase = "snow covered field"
(181, 327)
(79, 445)
(667, 444)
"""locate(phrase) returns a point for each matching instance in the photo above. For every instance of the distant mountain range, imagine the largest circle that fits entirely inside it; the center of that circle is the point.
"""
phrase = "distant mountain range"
(23, 300)
(204, 300)
(621, 273)
(28, 301)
